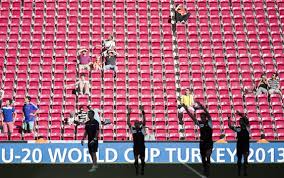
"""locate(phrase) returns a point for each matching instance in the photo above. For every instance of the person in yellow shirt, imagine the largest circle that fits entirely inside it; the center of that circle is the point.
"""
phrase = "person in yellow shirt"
(262, 139)
(222, 139)
(187, 100)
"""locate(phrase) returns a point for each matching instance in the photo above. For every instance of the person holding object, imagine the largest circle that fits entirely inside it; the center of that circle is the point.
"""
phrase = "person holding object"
(262, 86)
(92, 130)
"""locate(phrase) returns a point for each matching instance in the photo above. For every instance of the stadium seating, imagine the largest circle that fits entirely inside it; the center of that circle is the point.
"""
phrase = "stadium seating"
(222, 49)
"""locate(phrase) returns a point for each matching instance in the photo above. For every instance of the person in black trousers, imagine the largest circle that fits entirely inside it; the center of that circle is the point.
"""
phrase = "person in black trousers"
(92, 130)
(206, 141)
(138, 132)
(242, 141)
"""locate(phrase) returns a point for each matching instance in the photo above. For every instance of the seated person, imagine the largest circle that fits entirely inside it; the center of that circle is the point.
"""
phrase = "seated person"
(262, 86)
(222, 139)
(181, 14)
(82, 116)
(262, 139)
(110, 63)
(108, 45)
(83, 86)
(97, 116)
(70, 120)
(186, 100)
(274, 85)
(84, 59)
(97, 65)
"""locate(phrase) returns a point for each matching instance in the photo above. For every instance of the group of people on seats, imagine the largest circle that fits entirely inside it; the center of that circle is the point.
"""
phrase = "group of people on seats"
(271, 86)
(86, 63)
(81, 117)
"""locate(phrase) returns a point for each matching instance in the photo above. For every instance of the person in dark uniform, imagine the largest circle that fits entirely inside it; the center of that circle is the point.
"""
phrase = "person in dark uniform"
(92, 130)
(138, 133)
(206, 141)
(242, 141)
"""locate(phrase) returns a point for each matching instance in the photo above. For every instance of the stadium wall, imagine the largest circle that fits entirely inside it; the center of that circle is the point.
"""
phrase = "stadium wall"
(121, 152)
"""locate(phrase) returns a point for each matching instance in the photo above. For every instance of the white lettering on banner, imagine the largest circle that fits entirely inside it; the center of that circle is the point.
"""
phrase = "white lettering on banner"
(271, 153)
(37, 155)
(219, 154)
(170, 150)
(232, 154)
(251, 152)
(195, 154)
(154, 153)
(260, 155)
(11, 155)
(86, 156)
(98, 157)
(25, 158)
(126, 155)
(211, 158)
(281, 155)
(77, 152)
(180, 153)
(114, 158)
(57, 155)
(146, 155)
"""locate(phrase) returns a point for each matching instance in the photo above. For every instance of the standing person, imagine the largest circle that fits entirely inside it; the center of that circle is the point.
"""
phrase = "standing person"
(187, 101)
(138, 134)
(262, 86)
(274, 85)
(242, 141)
(206, 141)
(1, 96)
(92, 130)
(84, 60)
(30, 112)
(8, 116)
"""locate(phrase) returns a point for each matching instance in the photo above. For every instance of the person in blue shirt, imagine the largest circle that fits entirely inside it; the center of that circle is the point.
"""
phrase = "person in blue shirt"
(7, 117)
(30, 112)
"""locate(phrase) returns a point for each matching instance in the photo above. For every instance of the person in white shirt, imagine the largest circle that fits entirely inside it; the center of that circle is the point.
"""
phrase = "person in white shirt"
(70, 120)
(108, 45)
(149, 135)
(98, 117)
